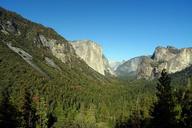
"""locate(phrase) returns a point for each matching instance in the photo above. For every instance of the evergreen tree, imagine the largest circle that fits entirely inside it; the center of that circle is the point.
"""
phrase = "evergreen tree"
(136, 120)
(51, 120)
(42, 113)
(8, 113)
(28, 111)
(164, 115)
(186, 114)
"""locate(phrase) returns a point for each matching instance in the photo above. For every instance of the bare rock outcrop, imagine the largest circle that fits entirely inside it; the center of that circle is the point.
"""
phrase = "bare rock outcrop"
(169, 58)
(61, 50)
(92, 54)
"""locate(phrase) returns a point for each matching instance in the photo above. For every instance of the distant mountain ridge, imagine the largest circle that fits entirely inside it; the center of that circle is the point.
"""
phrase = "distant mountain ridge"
(46, 44)
(115, 64)
(147, 67)
(169, 58)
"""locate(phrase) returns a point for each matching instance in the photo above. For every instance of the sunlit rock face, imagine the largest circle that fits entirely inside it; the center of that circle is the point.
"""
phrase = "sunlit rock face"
(92, 54)
(61, 50)
(173, 59)
(145, 69)
(165, 54)
(169, 58)
(107, 67)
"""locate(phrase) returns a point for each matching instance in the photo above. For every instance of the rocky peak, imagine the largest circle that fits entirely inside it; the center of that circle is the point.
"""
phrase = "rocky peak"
(169, 58)
(173, 59)
(165, 53)
(92, 54)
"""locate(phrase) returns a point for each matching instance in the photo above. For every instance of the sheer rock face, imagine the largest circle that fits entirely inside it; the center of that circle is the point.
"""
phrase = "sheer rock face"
(145, 69)
(92, 54)
(61, 50)
(108, 68)
(169, 58)
(173, 59)
(165, 54)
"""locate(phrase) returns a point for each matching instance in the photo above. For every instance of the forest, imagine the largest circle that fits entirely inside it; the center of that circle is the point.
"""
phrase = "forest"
(75, 96)
(30, 100)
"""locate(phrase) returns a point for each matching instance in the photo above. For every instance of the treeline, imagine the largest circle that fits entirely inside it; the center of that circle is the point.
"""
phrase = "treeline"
(55, 105)
(173, 108)
(73, 99)
(69, 98)
(75, 96)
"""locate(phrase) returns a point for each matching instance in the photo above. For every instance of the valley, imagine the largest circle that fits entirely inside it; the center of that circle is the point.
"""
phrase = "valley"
(47, 81)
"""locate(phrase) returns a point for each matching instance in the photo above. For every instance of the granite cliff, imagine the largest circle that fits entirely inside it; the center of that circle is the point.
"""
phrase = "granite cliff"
(42, 48)
(169, 58)
(31, 40)
(92, 54)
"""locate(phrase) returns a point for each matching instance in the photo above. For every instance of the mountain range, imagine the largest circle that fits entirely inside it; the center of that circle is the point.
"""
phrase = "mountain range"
(147, 67)
(170, 58)
(59, 83)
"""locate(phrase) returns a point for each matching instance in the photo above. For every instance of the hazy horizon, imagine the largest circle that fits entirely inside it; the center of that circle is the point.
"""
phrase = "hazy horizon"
(124, 28)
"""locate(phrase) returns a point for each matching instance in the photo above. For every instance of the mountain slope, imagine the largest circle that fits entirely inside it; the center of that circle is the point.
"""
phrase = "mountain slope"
(40, 67)
(41, 76)
(41, 43)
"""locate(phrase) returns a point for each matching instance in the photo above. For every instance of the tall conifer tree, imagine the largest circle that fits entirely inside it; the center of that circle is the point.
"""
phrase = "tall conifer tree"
(163, 114)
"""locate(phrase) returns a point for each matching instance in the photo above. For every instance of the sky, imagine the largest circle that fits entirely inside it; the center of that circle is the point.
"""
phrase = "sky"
(124, 28)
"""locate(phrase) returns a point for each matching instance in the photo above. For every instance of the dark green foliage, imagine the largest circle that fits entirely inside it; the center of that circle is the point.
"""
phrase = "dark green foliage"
(181, 78)
(164, 115)
(75, 96)
(186, 114)
(83, 98)
(51, 120)
(136, 120)
(28, 110)
(42, 111)
(8, 113)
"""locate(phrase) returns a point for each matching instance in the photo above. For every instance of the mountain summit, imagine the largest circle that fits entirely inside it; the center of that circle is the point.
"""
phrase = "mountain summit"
(169, 58)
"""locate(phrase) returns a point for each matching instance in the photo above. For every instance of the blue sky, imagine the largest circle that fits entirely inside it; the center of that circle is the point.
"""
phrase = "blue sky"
(124, 28)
